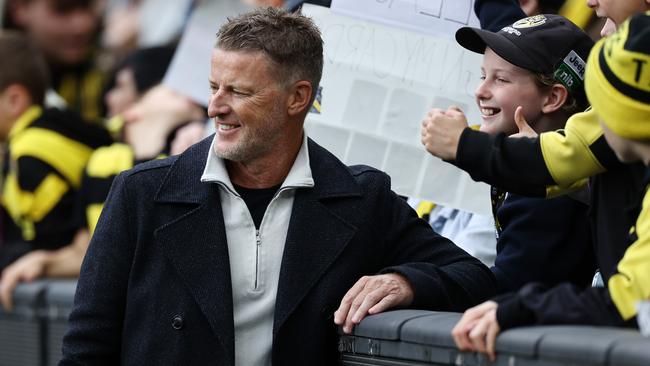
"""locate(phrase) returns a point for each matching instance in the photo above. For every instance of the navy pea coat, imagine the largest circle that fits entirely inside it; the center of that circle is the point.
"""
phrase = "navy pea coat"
(155, 285)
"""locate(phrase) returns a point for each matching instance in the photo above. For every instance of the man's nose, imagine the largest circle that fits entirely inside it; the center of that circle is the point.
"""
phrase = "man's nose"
(218, 105)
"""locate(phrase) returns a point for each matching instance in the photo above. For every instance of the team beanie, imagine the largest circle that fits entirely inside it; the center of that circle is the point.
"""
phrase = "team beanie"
(617, 80)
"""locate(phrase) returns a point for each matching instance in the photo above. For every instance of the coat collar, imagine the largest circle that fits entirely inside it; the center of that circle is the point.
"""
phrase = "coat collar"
(299, 174)
(183, 184)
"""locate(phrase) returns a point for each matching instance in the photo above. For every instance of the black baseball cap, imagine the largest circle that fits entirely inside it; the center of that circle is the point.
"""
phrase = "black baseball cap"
(549, 44)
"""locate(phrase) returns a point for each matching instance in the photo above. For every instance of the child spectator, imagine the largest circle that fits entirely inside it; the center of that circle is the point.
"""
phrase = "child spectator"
(618, 86)
(532, 70)
(45, 151)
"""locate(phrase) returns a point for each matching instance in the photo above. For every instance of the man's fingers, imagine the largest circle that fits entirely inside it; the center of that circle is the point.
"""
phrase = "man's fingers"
(386, 303)
(341, 314)
(369, 300)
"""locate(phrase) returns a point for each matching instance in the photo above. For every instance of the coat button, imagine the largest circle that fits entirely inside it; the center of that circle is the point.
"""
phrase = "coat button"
(177, 322)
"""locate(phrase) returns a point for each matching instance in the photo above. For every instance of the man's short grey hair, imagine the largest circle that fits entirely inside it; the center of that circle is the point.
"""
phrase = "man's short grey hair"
(291, 41)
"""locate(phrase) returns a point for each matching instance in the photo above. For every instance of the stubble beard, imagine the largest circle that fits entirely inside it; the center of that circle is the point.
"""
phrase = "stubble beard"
(253, 144)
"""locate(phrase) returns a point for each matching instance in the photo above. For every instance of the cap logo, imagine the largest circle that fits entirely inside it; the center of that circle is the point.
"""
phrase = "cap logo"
(571, 72)
(530, 22)
(511, 30)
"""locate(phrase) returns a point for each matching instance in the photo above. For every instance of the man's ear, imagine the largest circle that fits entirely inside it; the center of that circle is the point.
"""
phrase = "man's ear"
(555, 98)
(300, 98)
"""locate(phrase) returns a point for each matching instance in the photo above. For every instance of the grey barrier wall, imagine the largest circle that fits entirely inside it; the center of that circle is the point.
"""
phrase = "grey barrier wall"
(31, 335)
(414, 337)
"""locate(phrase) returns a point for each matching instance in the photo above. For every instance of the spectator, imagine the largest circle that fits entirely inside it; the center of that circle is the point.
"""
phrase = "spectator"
(243, 246)
(532, 71)
(617, 80)
(46, 151)
(171, 110)
(555, 163)
(65, 31)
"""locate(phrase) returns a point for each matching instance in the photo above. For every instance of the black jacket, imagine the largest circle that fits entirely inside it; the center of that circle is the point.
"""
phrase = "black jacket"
(542, 240)
(159, 253)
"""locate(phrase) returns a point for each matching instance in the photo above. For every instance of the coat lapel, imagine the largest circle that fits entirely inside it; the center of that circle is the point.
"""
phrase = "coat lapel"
(195, 241)
(316, 235)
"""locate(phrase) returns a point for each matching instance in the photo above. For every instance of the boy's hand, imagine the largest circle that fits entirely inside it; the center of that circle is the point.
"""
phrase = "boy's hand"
(524, 128)
(477, 330)
(441, 131)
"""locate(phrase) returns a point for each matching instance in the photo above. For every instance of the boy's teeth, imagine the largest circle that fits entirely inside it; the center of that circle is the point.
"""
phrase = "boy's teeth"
(489, 111)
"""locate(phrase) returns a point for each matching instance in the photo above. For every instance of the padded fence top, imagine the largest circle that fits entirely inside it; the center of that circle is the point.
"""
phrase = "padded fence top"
(427, 337)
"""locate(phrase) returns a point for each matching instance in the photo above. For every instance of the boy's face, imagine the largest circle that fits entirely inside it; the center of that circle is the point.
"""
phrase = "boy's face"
(503, 88)
(624, 148)
(618, 10)
(64, 35)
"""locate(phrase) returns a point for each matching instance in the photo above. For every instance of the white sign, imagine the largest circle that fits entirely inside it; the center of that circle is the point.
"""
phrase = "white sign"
(189, 70)
(435, 17)
(378, 83)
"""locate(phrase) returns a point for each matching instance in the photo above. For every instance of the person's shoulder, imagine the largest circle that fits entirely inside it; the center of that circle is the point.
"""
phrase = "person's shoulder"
(151, 167)
(363, 171)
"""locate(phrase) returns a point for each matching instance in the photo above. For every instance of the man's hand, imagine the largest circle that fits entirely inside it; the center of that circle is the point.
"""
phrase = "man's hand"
(441, 131)
(372, 295)
(477, 330)
(26, 269)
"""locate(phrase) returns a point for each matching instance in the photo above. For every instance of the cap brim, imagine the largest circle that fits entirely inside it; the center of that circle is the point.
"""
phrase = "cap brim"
(476, 40)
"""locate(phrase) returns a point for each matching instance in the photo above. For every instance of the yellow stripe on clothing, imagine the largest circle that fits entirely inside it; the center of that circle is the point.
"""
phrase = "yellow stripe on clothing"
(568, 156)
(91, 94)
(92, 215)
(424, 208)
(110, 160)
(578, 12)
(632, 282)
(64, 154)
(25, 208)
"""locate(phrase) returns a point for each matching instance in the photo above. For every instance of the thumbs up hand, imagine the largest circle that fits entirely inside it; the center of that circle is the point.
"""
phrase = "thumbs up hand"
(524, 128)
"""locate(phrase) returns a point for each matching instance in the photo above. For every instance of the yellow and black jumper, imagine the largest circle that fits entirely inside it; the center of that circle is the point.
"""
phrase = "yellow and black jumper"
(45, 156)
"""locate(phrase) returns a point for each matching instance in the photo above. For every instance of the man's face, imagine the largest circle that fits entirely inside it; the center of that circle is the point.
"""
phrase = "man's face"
(505, 86)
(64, 35)
(248, 105)
(617, 10)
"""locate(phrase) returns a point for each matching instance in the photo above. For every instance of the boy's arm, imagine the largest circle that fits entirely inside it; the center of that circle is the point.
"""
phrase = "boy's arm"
(554, 163)
(496, 14)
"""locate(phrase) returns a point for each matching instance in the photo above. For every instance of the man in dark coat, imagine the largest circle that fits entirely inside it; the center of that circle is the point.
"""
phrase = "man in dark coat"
(240, 250)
